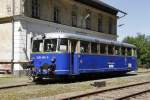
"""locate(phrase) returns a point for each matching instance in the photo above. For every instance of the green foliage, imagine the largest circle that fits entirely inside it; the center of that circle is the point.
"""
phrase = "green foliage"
(142, 42)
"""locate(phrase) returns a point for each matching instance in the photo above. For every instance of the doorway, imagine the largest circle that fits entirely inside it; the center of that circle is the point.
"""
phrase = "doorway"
(73, 56)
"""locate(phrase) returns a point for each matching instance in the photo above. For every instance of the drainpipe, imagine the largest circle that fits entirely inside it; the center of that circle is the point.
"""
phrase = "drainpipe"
(12, 59)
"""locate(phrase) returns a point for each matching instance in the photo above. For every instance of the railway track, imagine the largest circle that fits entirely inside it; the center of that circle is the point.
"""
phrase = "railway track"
(116, 93)
(15, 86)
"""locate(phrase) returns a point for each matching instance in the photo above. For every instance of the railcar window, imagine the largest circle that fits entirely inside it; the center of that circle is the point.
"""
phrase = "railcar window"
(63, 46)
(110, 49)
(37, 46)
(84, 47)
(134, 52)
(117, 50)
(50, 45)
(103, 48)
(94, 48)
(129, 51)
(123, 51)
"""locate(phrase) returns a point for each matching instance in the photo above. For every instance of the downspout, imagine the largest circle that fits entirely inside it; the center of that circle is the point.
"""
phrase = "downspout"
(12, 59)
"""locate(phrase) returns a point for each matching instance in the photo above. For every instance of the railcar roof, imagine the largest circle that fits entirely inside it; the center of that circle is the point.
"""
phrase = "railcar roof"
(85, 37)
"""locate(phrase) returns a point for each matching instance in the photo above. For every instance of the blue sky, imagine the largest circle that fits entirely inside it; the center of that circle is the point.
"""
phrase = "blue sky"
(137, 20)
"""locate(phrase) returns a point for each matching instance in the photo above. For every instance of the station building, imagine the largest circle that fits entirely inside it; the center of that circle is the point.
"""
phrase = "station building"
(20, 20)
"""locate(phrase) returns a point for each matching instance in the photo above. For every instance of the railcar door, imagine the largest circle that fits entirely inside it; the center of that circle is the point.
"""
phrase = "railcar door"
(74, 64)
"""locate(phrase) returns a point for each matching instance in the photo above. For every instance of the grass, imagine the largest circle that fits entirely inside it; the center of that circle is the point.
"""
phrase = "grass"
(41, 90)
(50, 89)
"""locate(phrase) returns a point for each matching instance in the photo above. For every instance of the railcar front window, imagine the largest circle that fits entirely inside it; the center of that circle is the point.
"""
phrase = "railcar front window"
(63, 45)
(37, 46)
(50, 45)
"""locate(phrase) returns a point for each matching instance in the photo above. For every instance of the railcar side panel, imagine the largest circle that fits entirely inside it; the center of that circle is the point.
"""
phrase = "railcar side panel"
(103, 63)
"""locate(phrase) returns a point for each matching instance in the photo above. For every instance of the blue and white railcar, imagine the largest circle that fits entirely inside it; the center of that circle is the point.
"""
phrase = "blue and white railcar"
(59, 54)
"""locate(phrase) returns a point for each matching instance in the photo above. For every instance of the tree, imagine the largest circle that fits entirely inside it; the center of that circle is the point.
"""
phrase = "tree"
(142, 42)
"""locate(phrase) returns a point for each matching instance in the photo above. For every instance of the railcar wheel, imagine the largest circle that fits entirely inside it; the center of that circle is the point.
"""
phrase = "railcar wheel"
(38, 79)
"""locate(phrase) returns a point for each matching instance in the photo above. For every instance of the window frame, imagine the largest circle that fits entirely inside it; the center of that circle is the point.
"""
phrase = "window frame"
(38, 47)
(110, 27)
(111, 46)
(123, 53)
(129, 52)
(100, 23)
(104, 49)
(35, 9)
(59, 43)
(88, 20)
(74, 16)
(87, 47)
(96, 50)
(56, 14)
(56, 46)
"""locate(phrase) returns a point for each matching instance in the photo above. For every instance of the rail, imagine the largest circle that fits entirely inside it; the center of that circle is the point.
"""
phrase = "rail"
(106, 90)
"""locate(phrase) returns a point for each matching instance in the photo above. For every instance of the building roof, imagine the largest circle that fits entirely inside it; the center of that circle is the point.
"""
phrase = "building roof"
(98, 4)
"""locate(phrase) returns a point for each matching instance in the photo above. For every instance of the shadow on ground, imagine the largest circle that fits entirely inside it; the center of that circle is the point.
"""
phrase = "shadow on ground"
(81, 78)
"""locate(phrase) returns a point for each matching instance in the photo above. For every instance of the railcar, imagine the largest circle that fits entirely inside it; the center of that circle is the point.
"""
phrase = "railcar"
(64, 54)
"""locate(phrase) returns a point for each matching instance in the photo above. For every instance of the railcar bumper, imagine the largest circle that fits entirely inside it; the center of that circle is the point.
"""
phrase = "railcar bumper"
(44, 71)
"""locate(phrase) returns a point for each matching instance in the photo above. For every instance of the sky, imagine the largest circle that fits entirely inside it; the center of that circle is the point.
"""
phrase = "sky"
(137, 20)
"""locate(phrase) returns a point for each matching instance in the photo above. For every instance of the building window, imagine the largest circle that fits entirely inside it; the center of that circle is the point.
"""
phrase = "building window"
(88, 20)
(74, 16)
(115, 27)
(100, 23)
(35, 8)
(110, 25)
(56, 15)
